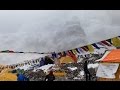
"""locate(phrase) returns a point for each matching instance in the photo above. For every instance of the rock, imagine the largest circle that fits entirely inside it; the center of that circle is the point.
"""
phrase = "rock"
(35, 76)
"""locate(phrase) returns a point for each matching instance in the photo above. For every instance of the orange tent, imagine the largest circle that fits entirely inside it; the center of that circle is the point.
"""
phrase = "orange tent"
(112, 56)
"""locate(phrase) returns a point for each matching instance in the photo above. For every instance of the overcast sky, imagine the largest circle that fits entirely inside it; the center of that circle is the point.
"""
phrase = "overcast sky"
(55, 30)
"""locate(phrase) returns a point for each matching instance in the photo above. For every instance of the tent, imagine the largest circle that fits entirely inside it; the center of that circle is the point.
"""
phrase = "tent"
(6, 75)
(66, 59)
(109, 68)
(59, 73)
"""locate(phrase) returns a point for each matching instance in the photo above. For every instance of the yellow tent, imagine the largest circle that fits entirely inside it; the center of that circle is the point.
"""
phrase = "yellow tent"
(6, 76)
(59, 73)
(66, 59)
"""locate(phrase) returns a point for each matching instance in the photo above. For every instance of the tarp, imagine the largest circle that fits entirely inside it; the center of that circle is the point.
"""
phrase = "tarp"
(45, 68)
(5, 75)
(107, 70)
(112, 56)
(66, 59)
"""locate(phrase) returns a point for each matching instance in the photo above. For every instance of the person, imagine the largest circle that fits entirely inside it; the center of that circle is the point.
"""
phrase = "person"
(27, 79)
(21, 77)
(50, 77)
(86, 71)
(42, 62)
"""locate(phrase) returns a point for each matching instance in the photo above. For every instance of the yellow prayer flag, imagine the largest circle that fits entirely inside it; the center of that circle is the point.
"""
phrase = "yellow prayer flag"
(116, 42)
(91, 49)
(74, 51)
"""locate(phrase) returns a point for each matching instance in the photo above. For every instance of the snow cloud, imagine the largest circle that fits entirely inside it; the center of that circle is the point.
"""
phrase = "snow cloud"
(55, 30)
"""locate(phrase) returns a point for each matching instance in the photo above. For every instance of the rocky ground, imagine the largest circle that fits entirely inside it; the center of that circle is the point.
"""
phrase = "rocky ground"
(71, 75)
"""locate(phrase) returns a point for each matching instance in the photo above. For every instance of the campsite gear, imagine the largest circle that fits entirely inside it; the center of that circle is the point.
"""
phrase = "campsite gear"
(6, 75)
(20, 71)
(57, 62)
(42, 62)
(50, 77)
(48, 60)
(14, 71)
(59, 73)
(65, 60)
(21, 77)
(110, 61)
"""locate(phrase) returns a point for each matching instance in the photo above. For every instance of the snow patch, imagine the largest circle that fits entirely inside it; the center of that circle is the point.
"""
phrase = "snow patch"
(45, 68)
(72, 68)
(76, 78)
(93, 65)
(82, 73)
(26, 67)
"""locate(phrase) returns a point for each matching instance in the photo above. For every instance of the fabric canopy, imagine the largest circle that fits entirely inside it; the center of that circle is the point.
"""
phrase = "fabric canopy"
(66, 59)
(112, 56)
(107, 70)
(5, 75)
